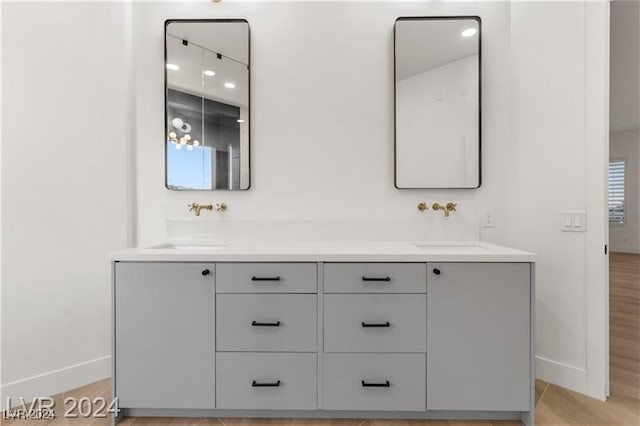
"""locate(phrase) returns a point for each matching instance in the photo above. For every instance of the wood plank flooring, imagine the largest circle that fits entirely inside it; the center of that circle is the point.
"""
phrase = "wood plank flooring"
(554, 405)
(624, 328)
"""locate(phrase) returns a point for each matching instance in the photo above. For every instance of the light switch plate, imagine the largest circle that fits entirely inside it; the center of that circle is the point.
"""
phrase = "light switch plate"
(488, 218)
(573, 221)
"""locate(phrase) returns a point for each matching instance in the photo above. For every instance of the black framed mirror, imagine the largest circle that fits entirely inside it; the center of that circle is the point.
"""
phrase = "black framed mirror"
(207, 104)
(437, 115)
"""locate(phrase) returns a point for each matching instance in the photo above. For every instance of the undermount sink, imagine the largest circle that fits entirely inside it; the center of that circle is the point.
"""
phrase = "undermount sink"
(203, 246)
(446, 245)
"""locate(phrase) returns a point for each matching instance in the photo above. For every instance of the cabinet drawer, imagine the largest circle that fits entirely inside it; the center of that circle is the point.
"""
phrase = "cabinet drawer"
(266, 322)
(386, 382)
(266, 381)
(375, 323)
(266, 278)
(375, 278)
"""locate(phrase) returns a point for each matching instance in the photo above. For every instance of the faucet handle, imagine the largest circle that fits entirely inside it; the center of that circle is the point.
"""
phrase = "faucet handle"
(220, 207)
(422, 206)
(452, 206)
(192, 206)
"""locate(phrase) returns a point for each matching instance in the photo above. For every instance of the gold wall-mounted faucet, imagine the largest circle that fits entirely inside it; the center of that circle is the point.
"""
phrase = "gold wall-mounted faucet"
(197, 208)
(446, 209)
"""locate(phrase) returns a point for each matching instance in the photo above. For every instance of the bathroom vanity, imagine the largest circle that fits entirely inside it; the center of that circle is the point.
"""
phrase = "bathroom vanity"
(365, 330)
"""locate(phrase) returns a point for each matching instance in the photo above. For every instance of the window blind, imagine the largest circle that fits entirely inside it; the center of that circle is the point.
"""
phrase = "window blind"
(616, 191)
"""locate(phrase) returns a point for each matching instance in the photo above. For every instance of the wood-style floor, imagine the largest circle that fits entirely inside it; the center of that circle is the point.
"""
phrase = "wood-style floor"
(554, 405)
(624, 325)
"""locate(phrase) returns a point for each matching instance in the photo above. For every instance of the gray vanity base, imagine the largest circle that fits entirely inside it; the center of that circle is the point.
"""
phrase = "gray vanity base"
(434, 340)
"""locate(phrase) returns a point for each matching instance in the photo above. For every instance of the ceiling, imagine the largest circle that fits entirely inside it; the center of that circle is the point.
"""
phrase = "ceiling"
(229, 39)
(422, 45)
(625, 66)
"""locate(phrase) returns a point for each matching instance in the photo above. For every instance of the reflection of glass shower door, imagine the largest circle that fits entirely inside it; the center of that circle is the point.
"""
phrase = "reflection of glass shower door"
(220, 169)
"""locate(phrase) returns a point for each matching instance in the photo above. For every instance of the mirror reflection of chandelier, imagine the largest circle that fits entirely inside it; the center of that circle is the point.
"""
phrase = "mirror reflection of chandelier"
(186, 139)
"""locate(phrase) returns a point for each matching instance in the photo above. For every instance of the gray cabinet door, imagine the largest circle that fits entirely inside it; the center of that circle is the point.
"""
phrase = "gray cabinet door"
(478, 344)
(164, 335)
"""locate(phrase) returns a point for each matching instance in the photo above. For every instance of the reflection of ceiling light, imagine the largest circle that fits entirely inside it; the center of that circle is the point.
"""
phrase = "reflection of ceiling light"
(173, 67)
(209, 73)
(469, 32)
(229, 85)
(179, 123)
(240, 120)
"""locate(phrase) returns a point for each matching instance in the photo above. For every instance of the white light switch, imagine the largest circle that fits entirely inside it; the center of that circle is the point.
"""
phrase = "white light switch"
(580, 221)
(573, 221)
(488, 218)
(568, 221)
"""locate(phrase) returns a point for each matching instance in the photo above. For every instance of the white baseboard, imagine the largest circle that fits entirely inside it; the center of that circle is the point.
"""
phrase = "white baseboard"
(55, 382)
(567, 376)
(633, 250)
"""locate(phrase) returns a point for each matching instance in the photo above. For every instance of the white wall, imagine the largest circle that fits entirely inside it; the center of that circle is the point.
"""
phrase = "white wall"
(322, 114)
(63, 192)
(626, 237)
(556, 153)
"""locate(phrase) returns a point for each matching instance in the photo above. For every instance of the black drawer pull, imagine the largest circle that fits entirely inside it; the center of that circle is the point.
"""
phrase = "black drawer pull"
(265, 278)
(376, 324)
(265, 324)
(376, 279)
(205, 272)
(436, 271)
(385, 384)
(257, 384)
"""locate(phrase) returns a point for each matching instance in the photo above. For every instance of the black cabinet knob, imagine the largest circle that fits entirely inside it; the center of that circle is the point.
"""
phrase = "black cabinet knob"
(205, 272)
(436, 271)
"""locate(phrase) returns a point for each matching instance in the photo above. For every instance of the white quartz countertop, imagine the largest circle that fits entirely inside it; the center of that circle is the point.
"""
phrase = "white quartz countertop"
(323, 251)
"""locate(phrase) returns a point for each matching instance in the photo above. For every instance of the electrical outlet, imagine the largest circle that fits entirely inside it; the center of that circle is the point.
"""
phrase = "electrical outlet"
(488, 218)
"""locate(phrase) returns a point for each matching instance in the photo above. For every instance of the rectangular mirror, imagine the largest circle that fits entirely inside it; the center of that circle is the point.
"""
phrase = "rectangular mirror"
(437, 102)
(207, 104)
